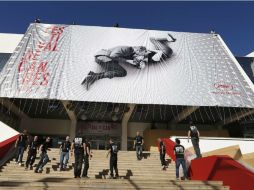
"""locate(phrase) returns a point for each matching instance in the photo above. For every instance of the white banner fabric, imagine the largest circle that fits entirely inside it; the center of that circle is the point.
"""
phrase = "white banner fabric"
(108, 64)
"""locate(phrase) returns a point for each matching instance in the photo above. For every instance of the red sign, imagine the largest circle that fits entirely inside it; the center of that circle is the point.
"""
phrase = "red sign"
(98, 128)
(225, 88)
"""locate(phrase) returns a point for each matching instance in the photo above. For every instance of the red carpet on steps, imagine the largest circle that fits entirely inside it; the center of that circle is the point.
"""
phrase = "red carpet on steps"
(217, 168)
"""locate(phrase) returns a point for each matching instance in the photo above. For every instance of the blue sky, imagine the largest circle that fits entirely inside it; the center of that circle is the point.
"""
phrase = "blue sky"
(232, 20)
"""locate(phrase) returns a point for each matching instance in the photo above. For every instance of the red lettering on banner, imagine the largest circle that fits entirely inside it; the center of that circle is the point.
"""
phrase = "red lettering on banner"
(35, 71)
(55, 35)
(29, 73)
(225, 89)
(41, 71)
(26, 58)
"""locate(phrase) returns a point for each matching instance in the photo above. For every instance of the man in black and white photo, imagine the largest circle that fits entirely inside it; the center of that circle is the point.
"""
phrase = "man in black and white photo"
(138, 56)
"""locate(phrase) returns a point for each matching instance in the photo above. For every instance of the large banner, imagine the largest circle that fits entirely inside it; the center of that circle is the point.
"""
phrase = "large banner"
(107, 64)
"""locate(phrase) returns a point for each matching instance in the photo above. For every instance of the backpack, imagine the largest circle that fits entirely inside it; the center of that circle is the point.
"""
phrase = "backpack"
(114, 148)
(194, 129)
(194, 132)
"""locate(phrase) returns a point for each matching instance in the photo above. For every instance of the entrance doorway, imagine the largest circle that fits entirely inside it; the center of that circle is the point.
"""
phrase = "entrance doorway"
(102, 142)
(98, 133)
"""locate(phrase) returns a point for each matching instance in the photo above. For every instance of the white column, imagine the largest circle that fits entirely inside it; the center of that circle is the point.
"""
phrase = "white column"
(73, 119)
(125, 121)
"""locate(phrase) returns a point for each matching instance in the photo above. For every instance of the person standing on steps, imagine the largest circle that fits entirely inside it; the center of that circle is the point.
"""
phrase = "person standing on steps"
(87, 156)
(79, 147)
(194, 134)
(162, 155)
(21, 144)
(113, 151)
(138, 144)
(179, 153)
(32, 151)
(44, 156)
(64, 153)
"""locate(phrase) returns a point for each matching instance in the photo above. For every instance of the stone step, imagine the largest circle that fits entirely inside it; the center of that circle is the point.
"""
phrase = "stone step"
(99, 152)
(95, 176)
(124, 168)
(99, 162)
(88, 183)
(101, 170)
(96, 165)
(105, 152)
(143, 174)
(78, 181)
(134, 159)
(150, 168)
(133, 187)
(91, 169)
(39, 176)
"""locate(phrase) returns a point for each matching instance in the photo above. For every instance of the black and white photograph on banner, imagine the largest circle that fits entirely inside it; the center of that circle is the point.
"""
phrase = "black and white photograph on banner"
(137, 56)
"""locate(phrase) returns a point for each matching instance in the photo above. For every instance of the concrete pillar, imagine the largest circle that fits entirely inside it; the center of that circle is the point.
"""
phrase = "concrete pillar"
(73, 119)
(125, 121)
(73, 129)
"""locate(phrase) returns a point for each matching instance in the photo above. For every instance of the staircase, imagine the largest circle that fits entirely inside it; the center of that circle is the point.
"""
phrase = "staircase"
(144, 174)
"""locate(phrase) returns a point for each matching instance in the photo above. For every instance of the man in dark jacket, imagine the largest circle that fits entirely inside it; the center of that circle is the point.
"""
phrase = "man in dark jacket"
(78, 146)
(21, 144)
(87, 156)
(43, 156)
(32, 151)
(64, 153)
(138, 145)
(113, 151)
(194, 134)
(179, 153)
(162, 155)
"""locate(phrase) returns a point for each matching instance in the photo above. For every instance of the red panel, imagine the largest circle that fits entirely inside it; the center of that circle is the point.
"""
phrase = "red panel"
(222, 168)
(5, 145)
(217, 168)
